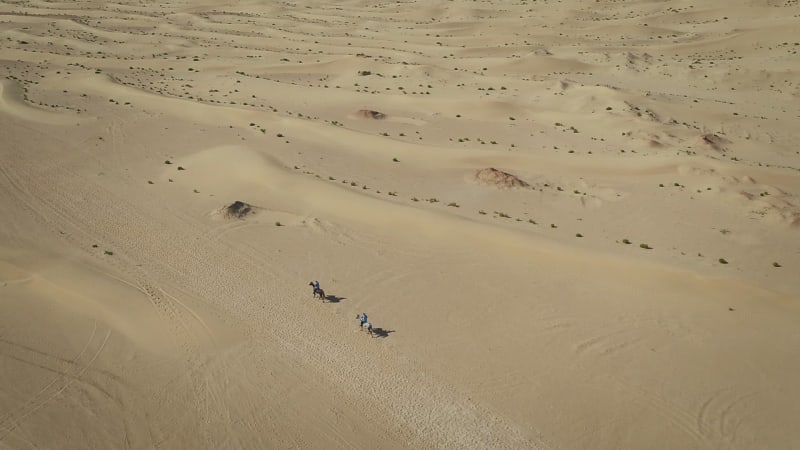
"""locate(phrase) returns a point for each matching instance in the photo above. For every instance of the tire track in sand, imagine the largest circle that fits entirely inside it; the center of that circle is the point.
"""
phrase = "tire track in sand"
(13, 419)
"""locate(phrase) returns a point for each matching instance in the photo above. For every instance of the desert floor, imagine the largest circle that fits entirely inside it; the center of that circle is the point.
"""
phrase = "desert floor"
(626, 277)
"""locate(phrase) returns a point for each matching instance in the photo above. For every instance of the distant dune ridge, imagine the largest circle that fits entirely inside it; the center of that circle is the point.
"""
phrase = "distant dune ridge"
(572, 225)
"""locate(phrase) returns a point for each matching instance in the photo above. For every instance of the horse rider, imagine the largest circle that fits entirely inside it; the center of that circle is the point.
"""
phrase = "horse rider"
(363, 318)
(315, 286)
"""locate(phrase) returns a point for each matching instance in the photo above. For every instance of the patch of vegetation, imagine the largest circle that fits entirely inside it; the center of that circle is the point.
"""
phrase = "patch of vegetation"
(627, 241)
(722, 261)
(645, 246)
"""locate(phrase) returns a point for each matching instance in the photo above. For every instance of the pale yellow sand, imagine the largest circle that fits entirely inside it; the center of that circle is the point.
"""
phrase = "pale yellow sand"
(135, 314)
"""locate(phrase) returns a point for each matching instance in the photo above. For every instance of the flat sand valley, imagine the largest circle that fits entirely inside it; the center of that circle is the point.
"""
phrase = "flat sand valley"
(574, 225)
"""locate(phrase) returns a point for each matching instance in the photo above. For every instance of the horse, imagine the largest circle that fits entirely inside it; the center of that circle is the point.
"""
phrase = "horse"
(365, 325)
(318, 291)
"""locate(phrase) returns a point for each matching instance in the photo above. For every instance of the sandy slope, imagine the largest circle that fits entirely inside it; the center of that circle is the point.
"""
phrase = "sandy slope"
(135, 314)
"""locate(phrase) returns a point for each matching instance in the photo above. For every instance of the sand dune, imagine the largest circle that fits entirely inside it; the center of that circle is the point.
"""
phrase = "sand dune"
(572, 225)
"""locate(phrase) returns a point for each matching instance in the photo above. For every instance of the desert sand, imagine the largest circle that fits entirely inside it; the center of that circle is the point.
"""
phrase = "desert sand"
(574, 225)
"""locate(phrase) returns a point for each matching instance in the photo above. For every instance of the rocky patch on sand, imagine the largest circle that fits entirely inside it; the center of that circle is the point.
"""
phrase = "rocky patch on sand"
(237, 210)
(499, 179)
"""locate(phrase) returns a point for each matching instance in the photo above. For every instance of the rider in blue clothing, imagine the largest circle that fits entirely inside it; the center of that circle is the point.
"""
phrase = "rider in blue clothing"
(363, 318)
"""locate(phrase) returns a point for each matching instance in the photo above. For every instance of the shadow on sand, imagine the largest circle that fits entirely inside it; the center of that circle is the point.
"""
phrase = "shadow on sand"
(334, 298)
(381, 333)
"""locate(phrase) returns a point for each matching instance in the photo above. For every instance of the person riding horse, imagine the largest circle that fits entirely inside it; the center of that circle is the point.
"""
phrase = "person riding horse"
(364, 323)
(316, 290)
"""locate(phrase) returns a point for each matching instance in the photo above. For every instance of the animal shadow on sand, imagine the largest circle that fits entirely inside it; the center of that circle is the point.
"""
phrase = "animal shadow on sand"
(334, 298)
(381, 332)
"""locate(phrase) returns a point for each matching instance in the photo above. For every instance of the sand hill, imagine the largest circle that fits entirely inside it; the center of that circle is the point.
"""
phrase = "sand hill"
(637, 288)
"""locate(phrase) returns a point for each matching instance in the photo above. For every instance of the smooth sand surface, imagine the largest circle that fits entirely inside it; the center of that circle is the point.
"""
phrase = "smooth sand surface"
(625, 278)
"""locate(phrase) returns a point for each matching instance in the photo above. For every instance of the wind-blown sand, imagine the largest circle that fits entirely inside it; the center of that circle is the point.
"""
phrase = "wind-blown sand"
(626, 277)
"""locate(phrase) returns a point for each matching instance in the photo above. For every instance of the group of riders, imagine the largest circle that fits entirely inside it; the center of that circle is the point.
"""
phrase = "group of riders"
(317, 290)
